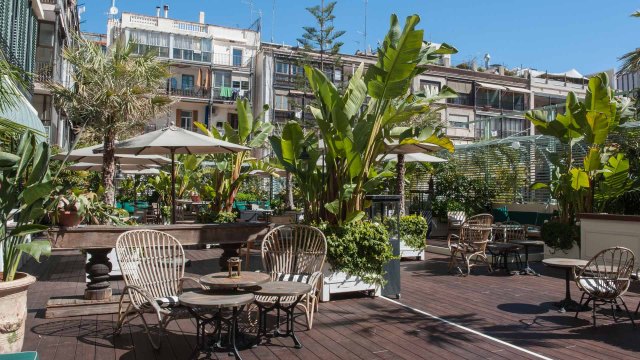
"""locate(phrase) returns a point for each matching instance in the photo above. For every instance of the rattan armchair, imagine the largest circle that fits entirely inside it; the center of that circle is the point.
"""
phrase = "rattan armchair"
(471, 244)
(605, 278)
(296, 253)
(152, 265)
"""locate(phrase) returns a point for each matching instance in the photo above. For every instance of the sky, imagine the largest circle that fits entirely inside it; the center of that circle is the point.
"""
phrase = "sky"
(588, 35)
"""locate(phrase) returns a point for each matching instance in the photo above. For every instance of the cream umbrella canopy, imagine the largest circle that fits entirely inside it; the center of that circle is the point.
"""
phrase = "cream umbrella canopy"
(88, 155)
(98, 167)
(174, 140)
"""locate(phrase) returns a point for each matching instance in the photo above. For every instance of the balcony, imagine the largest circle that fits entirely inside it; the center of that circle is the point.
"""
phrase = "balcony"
(230, 94)
(232, 61)
(43, 71)
(196, 92)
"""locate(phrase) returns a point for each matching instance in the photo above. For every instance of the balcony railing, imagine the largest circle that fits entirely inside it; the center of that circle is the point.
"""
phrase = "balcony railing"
(51, 2)
(189, 26)
(229, 60)
(229, 94)
(43, 71)
(194, 92)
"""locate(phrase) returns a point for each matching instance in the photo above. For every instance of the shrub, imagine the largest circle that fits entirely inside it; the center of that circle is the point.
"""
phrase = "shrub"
(223, 217)
(559, 235)
(361, 249)
(413, 230)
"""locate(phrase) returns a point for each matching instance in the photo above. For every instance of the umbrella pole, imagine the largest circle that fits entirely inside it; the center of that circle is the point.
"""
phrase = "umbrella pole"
(173, 186)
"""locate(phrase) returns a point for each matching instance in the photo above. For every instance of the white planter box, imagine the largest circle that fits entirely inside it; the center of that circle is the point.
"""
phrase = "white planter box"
(573, 253)
(339, 282)
(409, 252)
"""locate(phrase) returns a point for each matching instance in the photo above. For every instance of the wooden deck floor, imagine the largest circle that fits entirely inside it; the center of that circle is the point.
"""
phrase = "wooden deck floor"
(440, 316)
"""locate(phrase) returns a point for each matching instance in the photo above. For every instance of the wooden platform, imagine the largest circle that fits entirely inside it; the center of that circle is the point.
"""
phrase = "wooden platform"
(440, 316)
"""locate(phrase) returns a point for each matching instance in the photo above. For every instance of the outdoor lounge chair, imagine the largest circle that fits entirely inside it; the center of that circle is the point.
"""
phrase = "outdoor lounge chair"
(152, 265)
(296, 253)
(472, 242)
(605, 278)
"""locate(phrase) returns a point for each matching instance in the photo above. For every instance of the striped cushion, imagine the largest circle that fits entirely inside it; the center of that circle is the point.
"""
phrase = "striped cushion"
(165, 302)
(303, 278)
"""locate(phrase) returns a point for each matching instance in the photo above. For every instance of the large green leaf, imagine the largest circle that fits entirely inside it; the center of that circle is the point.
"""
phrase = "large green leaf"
(598, 127)
(8, 160)
(245, 120)
(579, 179)
(36, 192)
(36, 248)
(28, 229)
(592, 160)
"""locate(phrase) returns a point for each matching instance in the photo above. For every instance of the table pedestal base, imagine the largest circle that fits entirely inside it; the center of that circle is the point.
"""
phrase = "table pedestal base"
(263, 309)
(570, 305)
(209, 343)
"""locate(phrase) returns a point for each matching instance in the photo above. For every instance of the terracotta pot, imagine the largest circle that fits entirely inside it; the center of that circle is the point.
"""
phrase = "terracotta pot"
(69, 218)
(13, 312)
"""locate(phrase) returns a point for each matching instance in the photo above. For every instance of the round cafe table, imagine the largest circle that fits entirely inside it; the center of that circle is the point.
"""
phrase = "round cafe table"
(247, 279)
(527, 244)
(567, 304)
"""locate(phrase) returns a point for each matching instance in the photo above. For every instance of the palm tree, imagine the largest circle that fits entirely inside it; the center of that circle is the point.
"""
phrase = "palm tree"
(115, 92)
(8, 98)
(630, 60)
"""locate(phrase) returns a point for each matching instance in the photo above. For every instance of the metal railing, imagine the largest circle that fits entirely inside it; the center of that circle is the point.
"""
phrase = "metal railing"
(194, 92)
(51, 2)
(43, 71)
(232, 60)
(232, 96)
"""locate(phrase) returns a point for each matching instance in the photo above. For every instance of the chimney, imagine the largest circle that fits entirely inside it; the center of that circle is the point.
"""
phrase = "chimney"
(201, 18)
(474, 65)
(501, 70)
(157, 11)
(166, 11)
(446, 61)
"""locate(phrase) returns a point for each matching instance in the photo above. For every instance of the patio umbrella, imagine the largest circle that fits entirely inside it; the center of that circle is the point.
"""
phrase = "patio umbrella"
(98, 167)
(174, 140)
(88, 155)
(148, 171)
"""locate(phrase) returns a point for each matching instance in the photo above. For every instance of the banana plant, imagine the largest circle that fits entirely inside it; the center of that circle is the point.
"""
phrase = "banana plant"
(230, 170)
(25, 186)
(355, 125)
(599, 176)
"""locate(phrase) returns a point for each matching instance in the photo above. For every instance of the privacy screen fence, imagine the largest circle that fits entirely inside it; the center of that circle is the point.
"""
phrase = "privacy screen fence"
(509, 166)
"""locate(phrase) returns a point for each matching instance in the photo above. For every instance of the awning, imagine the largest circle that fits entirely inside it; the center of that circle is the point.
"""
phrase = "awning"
(491, 86)
(22, 112)
(460, 87)
(520, 90)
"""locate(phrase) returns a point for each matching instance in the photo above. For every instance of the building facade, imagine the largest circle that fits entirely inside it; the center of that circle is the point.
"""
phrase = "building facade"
(56, 31)
(211, 66)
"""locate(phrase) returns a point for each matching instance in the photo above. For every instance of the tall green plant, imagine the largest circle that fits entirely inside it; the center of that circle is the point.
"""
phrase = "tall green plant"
(116, 93)
(603, 173)
(25, 185)
(230, 170)
(354, 132)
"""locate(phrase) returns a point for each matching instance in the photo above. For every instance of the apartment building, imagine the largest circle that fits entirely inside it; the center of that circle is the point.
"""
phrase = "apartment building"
(18, 35)
(211, 66)
(56, 28)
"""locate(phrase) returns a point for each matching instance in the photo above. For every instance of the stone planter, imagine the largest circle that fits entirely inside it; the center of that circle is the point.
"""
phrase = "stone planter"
(409, 252)
(336, 282)
(13, 312)
(573, 253)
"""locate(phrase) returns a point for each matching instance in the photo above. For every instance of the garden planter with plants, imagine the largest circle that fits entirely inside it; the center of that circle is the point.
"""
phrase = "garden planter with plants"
(25, 186)
(561, 240)
(356, 253)
(413, 235)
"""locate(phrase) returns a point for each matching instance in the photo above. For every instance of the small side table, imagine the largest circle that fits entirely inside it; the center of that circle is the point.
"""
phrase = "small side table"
(210, 308)
(247, 279)
(526, 244)
(567, 304)
(280, 290)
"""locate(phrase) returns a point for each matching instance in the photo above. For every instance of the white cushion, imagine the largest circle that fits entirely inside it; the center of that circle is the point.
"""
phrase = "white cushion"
(599, 287)
(165, 302)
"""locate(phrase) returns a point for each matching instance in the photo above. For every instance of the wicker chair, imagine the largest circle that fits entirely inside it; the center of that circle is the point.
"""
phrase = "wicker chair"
(605, 278)
(152, 265)
(472, 242)
(296, 253)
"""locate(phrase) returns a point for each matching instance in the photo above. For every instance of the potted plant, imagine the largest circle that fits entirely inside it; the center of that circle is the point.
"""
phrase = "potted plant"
(356, 254)
(413, 235)
(25, 185)
(70, 208)
(560, 239)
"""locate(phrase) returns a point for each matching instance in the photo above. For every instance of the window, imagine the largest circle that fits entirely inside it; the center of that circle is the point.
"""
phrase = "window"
(187, 82)
(430, 87)
(172, 84)
(235, 84)
(237, 57)
(281, 103)
(282, 68)
(244, 85)
(46, 34)
(337, 75)
(191, 48)
(221, 79)
(156, 43)
(459, 121)
(296, 70)
(186, 119)
(465, 93)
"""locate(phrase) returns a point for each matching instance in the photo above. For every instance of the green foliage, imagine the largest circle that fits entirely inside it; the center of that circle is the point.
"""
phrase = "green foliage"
(413, 230)
(455, 191)
(116, 93)
(360, 248)
(603, 175)
(325, 38)
(221, 182)
(354, 133)
(241, 196)
(25, 185)
(223, 217)
(560, 235)
(88, 206)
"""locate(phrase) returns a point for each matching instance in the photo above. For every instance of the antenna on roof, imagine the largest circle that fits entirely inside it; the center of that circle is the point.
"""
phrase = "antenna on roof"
(366, 4)
(273, 18)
